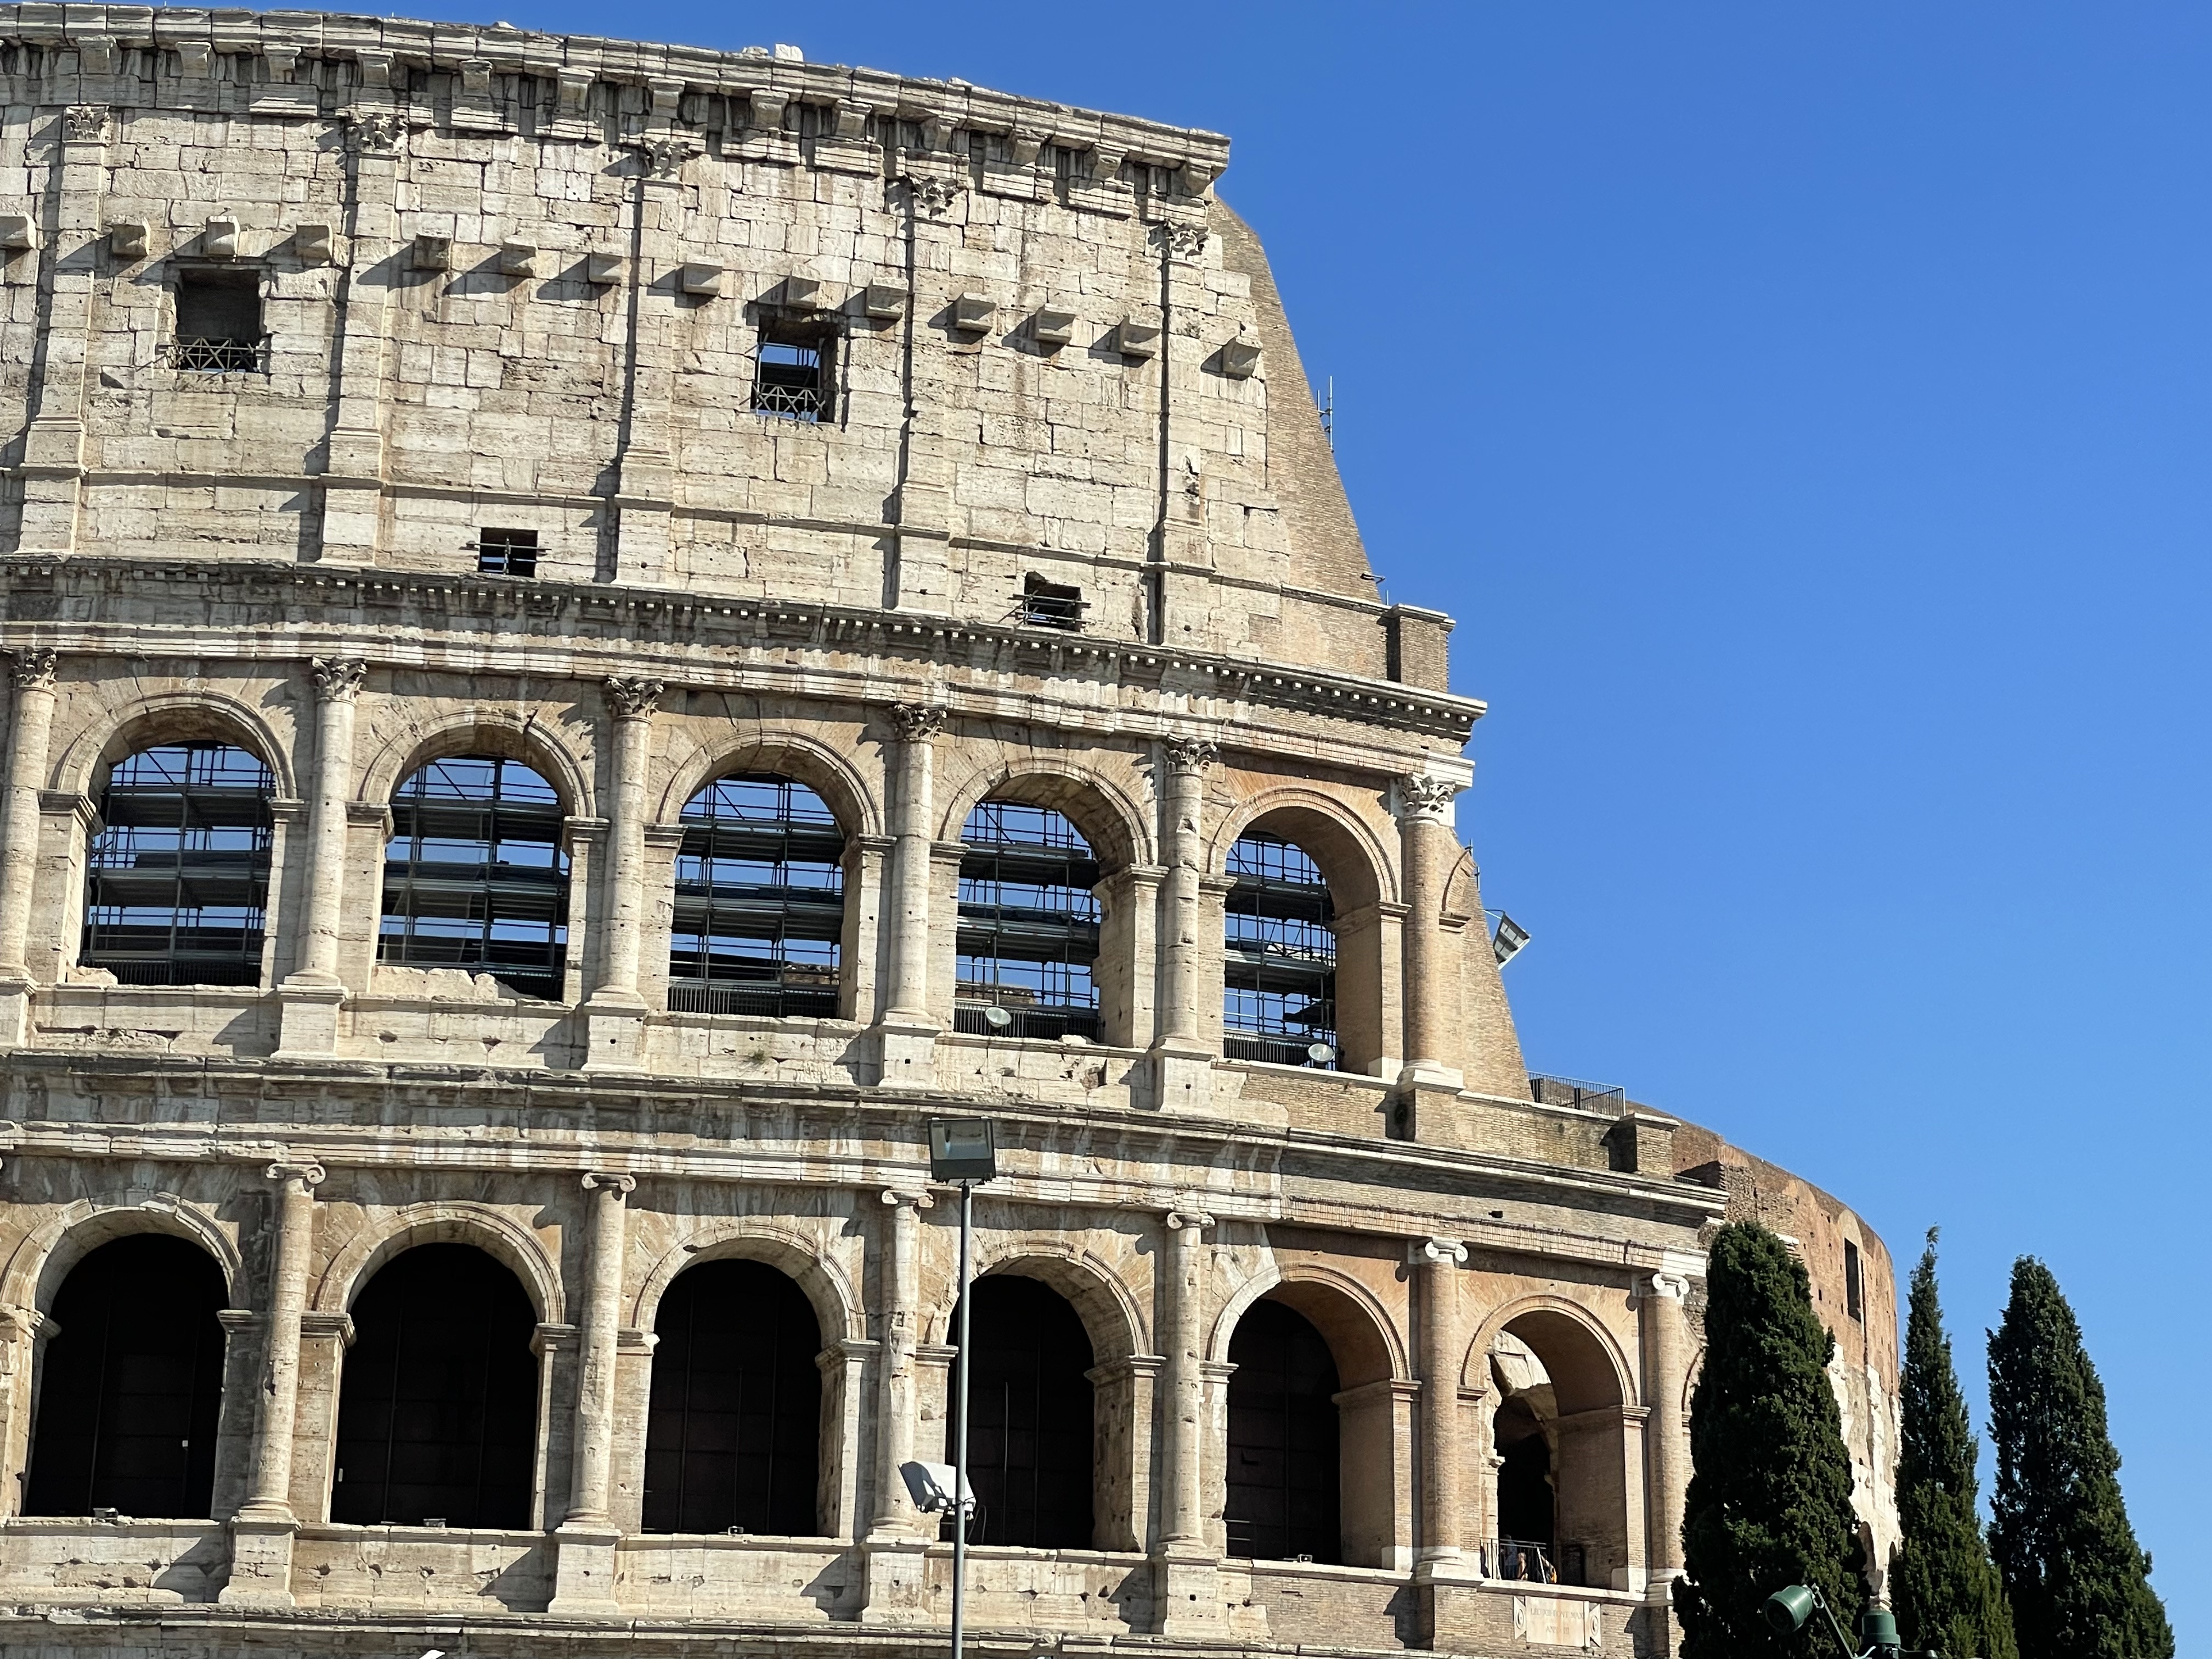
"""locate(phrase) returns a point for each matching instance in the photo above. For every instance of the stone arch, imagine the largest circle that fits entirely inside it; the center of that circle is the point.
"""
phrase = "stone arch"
(502, 732)
(820, 1275)
(45, 1256)
(493, 1231)
(1568, 1338)
(1359, 868)
(1359, 1329)
(803, 759)
(1100, 809)
(186, 716)
(1102, 1301)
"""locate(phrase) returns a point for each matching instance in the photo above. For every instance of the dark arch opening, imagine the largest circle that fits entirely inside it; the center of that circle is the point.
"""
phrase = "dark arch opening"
(734, 1435)
(177, 879)
(1283, 1498)
(760, 902)
(133, 1385)
(475, 877)
(438, 1404)
(1029, 1416)
(1279, 958)
(1526, 1524)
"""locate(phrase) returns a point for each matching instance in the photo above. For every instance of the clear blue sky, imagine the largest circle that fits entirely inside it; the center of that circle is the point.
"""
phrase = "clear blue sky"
(1806, 410)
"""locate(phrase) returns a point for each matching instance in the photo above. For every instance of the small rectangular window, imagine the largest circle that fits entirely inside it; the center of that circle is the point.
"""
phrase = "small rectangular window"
(1854, 1287)
(507, 552)
(1051, 604)
(218, 321)
(795, 371)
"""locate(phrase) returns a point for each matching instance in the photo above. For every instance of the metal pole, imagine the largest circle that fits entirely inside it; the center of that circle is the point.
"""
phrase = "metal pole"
(960, 1433)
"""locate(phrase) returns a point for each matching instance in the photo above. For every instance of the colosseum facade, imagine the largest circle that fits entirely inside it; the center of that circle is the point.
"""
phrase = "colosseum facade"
(599, 634)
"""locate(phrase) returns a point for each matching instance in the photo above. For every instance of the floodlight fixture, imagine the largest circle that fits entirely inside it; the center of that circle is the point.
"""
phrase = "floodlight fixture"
(997, 1018)
(931, 1485)
(1506, 942)
(1320, 1053)
(963, 1149)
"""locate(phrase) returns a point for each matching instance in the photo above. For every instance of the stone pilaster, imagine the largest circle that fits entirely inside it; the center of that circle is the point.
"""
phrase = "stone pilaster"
(1426, 850)
(1661, 1305)
(896, 1590)
(906, 1032)
(645, 489)
(1186, 1573)
(354, 470)
(616, 1010)
(27, 738)
(53, 463)
(1182, 1064)
(311, 995)
(585, 1568)
(261, 1532)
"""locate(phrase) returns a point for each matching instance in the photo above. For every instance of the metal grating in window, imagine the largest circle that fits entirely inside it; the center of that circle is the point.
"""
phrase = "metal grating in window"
(507, 552)
(218, 322)
(474, 876)
(760, 902)
(132, 1384)
(177, 879)
(1278, 969)
(794, 371)
(1029, 1417)
(1283, 1474)
(733, 1440)
(1029, 925)
(1051, 604)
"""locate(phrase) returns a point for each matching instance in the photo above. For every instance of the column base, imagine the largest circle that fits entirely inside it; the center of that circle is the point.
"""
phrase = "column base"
(1187, 1597)
(1182, 1076)
(906, 1052)
(616, 1031)
(307, 1026)
(260, 1559)
(584, 1572)
(1430, 1110)
(897, 1586)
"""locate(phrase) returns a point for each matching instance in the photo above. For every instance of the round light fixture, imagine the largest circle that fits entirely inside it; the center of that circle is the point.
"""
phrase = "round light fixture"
(997, 1019)
(1320, 1053)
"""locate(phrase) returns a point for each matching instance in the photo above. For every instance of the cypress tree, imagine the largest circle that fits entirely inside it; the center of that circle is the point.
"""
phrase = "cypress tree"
(2080, 1584)
(1770, 1497)
(1945, 1589)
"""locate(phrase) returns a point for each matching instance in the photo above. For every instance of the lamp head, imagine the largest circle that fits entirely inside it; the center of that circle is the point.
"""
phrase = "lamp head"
(1878, 1629)
(1788, 1608)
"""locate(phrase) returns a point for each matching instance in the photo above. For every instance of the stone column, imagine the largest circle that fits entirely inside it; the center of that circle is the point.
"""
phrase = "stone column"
(1426, 847)
(897, 1538)
(311, 995)
(1437, 1262)
(1666, 1334)
(261, 1532)
(1187, 1575)
(645, 474)
(53, 464)
(19, 834)
(616, 1009)
(906, 1032)
(584, 1578)
(1184, 1065)
(353, 477)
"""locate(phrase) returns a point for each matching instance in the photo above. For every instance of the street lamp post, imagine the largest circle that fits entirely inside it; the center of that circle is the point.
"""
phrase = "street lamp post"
(1788, 1609)
(963, 1150)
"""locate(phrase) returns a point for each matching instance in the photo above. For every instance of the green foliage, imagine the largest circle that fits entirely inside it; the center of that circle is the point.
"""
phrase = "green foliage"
(1942, 1582)
(1770, 1499)
(2080, 1584)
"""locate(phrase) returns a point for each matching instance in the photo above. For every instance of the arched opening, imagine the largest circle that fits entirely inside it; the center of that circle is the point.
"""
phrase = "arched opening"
(131, 1385)
(475, 877)
(1283, 1480)
(734, 1435)
(1279, 956)
(176, 877)
(1557, 1435)
(438, 1401)
(760, 902)
(1029, 925)
(1029, 1416)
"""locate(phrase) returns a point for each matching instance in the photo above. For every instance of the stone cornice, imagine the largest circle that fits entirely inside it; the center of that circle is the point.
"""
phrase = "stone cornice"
(611, 629)
(84, 44)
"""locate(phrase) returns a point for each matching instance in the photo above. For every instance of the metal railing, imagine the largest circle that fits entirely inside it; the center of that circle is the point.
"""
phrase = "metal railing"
(1045, 1025)
(1275, 1051)
(1575, 1091)
(762, 1001)
(1523, 1560)
(802, 403)
(180, 970)
(216, 356)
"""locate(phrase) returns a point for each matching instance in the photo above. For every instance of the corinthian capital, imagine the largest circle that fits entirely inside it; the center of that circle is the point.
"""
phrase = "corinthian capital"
(1190, 755)
(34, 667)
(632, 699)
(1426, 798)
(84, 124)
(917, 720)
(338, 680)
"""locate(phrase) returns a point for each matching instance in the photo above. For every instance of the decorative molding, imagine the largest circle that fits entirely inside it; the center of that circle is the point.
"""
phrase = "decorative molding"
(338, 680)
(634, 699)
(1436, 1251)
(621, 1184)
(664, 154)
(895, 1196)
(309, 1174)
(1189, 757)
(376, 131)
(1184, 242)
(918, 721)
(1196, 1220)
(84, 124)
(34, 667)
(1426, 799)
(931, 197)
(1671, 1288)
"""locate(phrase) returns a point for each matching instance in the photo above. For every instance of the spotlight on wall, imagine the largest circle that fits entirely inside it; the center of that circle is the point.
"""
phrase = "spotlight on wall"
(1507, 938)
(997, 1018)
